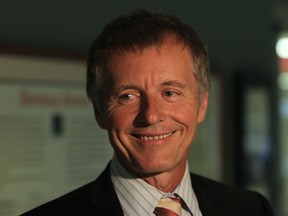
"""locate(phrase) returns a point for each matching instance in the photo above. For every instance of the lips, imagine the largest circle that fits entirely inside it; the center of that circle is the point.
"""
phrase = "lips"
(154, 137)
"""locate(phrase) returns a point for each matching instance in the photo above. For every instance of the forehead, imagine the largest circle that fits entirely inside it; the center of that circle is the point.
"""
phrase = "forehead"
(170, 51)
(151, 67)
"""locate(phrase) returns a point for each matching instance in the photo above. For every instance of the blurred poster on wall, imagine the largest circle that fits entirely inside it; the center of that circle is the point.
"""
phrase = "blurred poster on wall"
(49, 143)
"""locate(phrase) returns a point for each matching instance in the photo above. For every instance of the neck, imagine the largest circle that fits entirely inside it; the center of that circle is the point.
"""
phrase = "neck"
(167, 181)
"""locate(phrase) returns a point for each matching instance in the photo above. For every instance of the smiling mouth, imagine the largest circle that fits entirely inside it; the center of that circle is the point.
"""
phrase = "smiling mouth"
(151, 138)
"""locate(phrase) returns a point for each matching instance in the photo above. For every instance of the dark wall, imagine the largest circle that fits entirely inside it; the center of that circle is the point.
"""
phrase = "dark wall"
(238, 33)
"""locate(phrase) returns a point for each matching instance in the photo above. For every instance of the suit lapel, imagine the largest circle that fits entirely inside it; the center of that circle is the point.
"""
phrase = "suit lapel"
(209, 201)
(104, 196)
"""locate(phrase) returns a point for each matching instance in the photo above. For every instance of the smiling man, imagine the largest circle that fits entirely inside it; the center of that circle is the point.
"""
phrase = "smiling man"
(148, 80)
(143, 92)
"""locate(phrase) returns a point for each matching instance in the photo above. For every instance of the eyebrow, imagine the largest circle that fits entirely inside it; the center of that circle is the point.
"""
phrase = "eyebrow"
(125, 87)
(173, 83)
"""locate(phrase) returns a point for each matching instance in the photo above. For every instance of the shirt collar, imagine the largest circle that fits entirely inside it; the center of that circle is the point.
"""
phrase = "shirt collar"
(137, 196)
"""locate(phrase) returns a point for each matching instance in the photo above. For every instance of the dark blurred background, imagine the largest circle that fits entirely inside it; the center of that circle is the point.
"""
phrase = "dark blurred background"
(43, 47)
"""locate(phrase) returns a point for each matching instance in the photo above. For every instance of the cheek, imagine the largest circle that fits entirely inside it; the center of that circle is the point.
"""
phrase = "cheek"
(186, 115)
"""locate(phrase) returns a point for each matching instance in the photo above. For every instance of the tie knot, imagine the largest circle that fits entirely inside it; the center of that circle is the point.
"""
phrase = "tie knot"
(168, 206)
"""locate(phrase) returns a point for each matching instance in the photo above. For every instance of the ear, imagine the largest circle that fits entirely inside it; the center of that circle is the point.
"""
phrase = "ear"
(203, 107)
(100, 118)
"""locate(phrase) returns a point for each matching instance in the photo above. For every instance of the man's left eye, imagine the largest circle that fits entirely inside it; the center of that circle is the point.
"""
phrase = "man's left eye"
(169, 93)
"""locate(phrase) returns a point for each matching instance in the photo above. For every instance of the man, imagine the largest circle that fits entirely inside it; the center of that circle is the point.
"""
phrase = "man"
(148, 80)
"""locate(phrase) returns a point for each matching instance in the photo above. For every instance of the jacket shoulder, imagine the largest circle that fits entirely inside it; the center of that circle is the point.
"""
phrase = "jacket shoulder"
(74, 202)
(230, 199)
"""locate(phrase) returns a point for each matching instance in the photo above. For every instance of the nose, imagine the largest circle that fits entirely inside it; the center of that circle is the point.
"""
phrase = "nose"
(151, 111)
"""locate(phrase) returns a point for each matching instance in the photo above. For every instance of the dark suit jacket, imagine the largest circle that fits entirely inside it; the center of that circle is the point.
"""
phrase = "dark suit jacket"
(99, 198)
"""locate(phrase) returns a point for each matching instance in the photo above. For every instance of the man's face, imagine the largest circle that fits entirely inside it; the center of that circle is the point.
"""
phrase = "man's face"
(152, 108)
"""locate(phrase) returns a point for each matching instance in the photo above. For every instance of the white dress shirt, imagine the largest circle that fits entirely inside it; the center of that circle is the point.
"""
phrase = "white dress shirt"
(137, 197)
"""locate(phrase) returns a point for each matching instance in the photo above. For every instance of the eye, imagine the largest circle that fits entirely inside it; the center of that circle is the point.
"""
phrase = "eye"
(126, 97)
(169, 93)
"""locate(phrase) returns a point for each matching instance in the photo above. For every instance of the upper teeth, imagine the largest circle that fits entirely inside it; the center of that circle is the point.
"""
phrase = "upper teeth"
(146, 138)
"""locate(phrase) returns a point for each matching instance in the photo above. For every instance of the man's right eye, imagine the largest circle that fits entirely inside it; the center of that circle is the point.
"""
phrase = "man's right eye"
(126, 97)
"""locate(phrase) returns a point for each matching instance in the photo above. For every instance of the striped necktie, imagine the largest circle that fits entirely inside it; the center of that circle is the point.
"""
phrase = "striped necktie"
(168, 206)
